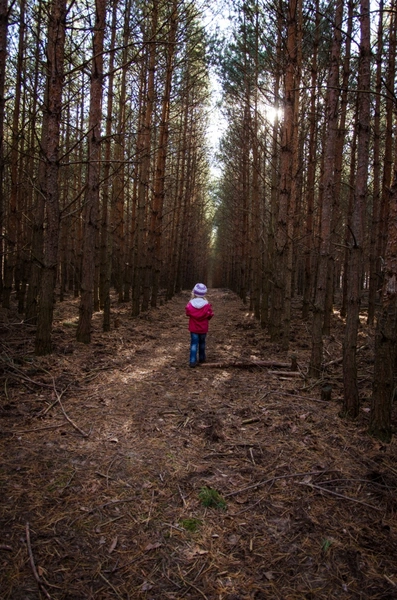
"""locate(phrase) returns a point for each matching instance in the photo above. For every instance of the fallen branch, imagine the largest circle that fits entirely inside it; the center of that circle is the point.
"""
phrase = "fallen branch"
(339, 360)
(110, 585)
(69, 420)
(5, 547)
(32, 564)
(317, 487)
(294, 396)
(286, 373)
(270, 480)
(246, 364)
(32, 430)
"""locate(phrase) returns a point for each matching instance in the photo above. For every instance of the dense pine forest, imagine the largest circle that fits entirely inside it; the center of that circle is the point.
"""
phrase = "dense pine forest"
(146, 146)
(106, 178)
(106, 167)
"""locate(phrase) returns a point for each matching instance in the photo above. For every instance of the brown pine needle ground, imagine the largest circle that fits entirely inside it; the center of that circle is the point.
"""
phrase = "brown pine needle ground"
(127, 475)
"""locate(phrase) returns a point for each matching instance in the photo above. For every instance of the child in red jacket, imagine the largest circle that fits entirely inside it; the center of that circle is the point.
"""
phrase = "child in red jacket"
(199, 311)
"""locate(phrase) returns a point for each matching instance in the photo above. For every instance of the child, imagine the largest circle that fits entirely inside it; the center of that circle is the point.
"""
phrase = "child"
(199, 311)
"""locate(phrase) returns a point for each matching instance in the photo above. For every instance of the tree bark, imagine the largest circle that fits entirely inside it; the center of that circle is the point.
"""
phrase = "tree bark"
(55, 77)
(159, 182)
(386, 334)
(328, 198)
(11, 247)
(3, 57)
(91, 205)
(351, 397)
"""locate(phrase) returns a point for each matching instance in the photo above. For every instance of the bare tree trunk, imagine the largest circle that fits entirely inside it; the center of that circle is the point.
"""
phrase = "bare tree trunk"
(296, 57)
(146, 171)
(386, 334)
(140, 199)
(311, 173)
(389, 133)
(3, 57)
(282, 275)
(328, 198)
(351, 397)
(55, 77)
(38, 209)
(91, 206)
(105, 255)
(374, 231)
(159, 183)
(11, 249)
(117, 220)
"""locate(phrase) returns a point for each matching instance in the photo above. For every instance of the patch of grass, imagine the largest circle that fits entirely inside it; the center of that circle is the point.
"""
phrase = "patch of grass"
(326, 545)
(210, 498)
(69, 323)
(190, 524)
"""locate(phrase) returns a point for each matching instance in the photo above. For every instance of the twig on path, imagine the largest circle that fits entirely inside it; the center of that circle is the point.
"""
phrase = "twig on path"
(281, 393)
(339, 360)
(286, 373)
(270, 480)
(189, 584)
(33, 430)
(245, 364)
(110, 585)
(58, 396)
(69, 420)
(32, 564)
(5, 547)
(16, 373)
(318, 487)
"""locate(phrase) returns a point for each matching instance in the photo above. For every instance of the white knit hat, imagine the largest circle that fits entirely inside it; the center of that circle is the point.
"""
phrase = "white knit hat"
(200, 289)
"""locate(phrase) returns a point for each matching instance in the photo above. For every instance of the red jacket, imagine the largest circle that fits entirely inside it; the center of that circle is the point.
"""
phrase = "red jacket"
(199, 312)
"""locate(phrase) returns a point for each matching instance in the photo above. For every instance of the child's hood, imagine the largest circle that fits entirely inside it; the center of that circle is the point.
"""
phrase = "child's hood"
(198, 302)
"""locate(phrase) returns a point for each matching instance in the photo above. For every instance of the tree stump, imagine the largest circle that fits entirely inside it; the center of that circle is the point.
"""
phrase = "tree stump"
(326, 391)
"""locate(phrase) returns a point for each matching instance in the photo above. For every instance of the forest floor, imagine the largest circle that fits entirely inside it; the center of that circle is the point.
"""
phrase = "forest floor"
(125, 474)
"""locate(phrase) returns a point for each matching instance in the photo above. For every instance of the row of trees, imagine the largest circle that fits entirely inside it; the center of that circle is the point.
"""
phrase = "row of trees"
(103, 159)
(105, 171)
(305, 201)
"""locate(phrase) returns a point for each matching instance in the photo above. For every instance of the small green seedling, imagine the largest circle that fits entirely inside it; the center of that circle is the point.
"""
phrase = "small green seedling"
(191, 524)
(326, 545)
(210, 498)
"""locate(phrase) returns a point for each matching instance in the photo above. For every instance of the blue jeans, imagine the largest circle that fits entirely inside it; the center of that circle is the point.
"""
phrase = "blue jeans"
(197, 342)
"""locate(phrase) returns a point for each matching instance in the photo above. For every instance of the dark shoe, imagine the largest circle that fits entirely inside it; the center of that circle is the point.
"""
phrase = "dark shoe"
(192, 364)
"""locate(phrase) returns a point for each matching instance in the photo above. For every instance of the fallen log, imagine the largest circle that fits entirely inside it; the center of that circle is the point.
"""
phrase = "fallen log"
(285, 373)
(248, 364)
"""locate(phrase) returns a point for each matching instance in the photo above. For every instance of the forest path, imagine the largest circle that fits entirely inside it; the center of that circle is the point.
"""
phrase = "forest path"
(113, 494)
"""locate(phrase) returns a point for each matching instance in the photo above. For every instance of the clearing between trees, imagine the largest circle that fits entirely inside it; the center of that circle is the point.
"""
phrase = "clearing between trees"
(128, 475)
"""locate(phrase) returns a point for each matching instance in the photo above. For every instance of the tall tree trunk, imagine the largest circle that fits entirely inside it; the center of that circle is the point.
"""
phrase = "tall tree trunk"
(105, 255)
(282, 275)
(142, 269)
(117, 220)
(38, 209)
(374, 231)
(3, 57)
(55, 77)
(91, 206)
(311, 173)
(140, 198)
(11, 248)
(351, 397)
(328, 199)
(146, 158)
(159, 182)
(296, 55)
(386, 333)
